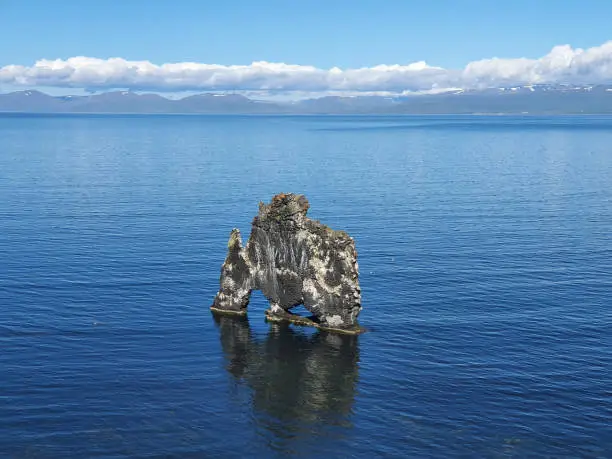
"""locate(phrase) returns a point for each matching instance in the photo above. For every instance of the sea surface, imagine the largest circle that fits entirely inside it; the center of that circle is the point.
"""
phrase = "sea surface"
(485, 251)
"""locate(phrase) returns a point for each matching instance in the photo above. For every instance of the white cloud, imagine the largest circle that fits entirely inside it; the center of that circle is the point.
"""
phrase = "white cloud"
(562, 65)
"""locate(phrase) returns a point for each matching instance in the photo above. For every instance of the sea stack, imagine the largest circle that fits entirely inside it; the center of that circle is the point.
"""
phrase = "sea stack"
(294, 261)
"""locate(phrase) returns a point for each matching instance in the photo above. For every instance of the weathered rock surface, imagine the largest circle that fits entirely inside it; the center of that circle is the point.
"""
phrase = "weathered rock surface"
(293, 260)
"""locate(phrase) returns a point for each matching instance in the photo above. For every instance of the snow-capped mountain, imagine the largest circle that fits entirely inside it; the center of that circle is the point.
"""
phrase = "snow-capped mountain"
(524, 99)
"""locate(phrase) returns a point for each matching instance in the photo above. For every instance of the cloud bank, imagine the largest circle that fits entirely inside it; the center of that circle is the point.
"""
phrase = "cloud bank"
(563, 64)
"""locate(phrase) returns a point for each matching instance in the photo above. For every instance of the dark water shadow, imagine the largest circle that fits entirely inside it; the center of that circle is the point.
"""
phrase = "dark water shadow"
(302, 383)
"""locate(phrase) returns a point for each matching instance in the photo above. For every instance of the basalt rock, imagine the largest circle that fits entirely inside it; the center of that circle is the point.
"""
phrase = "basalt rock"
(294, 261)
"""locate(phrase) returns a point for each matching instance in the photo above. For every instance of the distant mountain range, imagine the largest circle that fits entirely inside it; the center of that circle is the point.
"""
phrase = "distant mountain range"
(529, 99)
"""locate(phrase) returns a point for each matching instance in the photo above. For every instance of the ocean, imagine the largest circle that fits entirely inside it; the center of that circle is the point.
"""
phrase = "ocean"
(485, 254)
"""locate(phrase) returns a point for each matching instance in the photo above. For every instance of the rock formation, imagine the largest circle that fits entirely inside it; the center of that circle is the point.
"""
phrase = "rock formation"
(293, 260)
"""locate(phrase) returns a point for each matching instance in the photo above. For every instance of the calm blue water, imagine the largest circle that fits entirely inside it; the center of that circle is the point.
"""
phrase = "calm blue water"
(486, 267)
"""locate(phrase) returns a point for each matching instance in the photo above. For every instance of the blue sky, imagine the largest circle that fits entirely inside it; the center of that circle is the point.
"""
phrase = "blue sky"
(323, 34)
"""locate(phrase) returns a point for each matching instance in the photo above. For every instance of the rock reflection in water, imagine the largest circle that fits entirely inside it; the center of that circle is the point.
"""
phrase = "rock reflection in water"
(300, 382)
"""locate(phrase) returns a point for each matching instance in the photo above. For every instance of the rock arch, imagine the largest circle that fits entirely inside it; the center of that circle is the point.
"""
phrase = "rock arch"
(293, 260)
